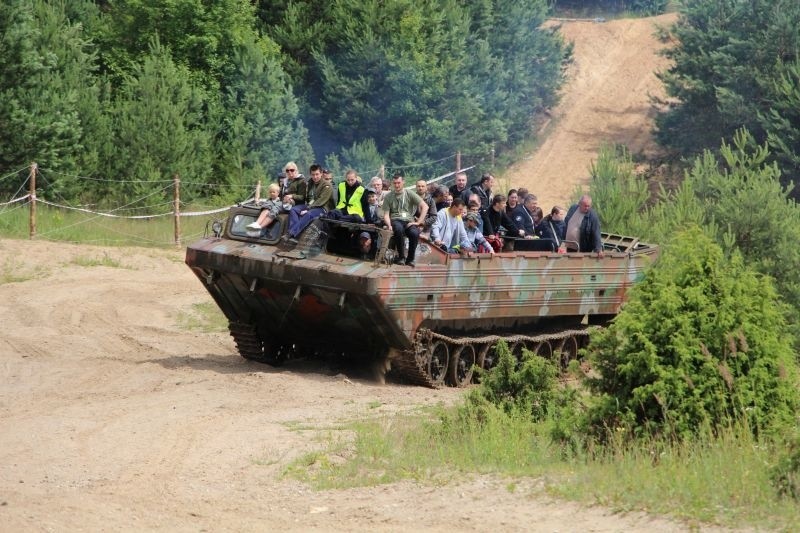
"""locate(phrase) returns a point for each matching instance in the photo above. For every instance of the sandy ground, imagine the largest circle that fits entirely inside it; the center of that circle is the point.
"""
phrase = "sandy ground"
(606, 101)
(112, 417)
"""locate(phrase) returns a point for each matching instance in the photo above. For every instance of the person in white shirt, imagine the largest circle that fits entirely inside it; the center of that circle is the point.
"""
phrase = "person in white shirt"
(448, 231)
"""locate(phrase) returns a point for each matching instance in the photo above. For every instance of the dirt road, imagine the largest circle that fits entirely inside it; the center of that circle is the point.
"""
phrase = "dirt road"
(606, 101)
(112, 417)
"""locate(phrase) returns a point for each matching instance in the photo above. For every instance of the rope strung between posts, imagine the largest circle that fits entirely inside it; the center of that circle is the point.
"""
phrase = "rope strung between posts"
(15, 200)
(13, 173)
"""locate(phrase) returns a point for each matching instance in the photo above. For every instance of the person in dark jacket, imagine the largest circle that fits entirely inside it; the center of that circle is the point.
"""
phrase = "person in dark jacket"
(495, 218)
(372, 213)
(553, 226)
(295, 188)
(422, 192)
(583, 227)
(320, 201)
(528, 222)
(460, 189)
(484, 191)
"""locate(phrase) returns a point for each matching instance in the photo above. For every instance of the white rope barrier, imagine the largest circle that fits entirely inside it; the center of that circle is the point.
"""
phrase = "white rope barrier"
(132, 217)
(15, 200)
(109, 215)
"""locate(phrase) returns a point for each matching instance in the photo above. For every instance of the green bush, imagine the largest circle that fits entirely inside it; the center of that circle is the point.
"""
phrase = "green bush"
(528, 386)
(785, 474)
(702, 343)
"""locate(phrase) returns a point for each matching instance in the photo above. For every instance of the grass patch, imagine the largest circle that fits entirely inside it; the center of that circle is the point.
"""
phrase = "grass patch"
(724, 479)
(205, 317)
(105, 261)
(73, 226)
(14, 271)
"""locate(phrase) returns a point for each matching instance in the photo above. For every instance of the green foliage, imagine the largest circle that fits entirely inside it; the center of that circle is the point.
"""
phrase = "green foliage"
(48, 95)
(364, 157)
(781, 120)
(646, 7)
(261, 129)
(387, 65)
(785, 473)
(160, 120)
(420, 80)
(732, 68)
(224, 93)
(528, 387)
(736, 198)
(202, 36)
(702, 343)
(745, 198)
(618, 192)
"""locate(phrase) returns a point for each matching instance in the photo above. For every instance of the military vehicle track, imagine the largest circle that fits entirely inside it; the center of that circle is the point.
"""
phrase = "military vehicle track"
(439, 359)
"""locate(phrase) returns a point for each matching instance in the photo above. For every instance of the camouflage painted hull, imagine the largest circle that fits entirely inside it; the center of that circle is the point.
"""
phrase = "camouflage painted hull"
(310, 300)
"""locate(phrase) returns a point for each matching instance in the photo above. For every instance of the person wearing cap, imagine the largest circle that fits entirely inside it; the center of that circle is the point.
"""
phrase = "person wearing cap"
(474, 233)
(448, 231)
(399, 207)
(296, 187)
(364, 244)
(376, 184)
(474, 206)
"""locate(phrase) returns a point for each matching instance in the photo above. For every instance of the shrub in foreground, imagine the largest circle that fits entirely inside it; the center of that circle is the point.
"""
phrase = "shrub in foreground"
(702, 343)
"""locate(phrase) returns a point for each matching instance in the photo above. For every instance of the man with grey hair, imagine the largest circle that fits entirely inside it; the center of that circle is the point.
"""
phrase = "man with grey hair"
(528, 224)
(583, 227)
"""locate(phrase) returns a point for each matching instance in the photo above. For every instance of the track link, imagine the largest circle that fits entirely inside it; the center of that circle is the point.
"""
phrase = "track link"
(412, 365)
(249, 344)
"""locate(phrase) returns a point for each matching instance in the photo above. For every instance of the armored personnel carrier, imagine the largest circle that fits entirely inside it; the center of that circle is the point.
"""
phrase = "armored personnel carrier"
(329, 294)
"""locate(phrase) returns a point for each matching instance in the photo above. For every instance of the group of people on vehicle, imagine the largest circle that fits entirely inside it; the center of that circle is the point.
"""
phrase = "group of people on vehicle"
(459, 219)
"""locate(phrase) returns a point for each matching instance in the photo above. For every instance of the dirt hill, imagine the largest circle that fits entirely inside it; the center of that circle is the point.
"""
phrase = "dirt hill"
(606, 101)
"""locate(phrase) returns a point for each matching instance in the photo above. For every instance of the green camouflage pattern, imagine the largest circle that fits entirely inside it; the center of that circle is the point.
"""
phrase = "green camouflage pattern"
(318, 300)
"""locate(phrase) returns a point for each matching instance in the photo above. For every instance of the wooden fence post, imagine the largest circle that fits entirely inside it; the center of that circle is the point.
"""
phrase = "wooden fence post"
(492, 154)
(382, 172)
(176, 208)
(458, 161)
(32, 199)
(257, 196)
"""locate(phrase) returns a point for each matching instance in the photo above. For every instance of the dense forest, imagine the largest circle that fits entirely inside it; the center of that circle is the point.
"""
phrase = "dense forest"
(225, 92)
(736, 64)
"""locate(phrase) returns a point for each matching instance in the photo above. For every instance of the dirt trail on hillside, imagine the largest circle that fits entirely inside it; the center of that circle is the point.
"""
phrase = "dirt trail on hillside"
(112, 417)
(606, 100)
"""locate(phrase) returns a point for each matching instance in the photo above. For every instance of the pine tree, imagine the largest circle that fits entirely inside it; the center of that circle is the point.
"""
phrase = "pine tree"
(160, 122)
(48, 94)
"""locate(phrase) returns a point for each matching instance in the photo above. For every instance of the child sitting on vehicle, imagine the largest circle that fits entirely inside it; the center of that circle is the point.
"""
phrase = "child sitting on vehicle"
(269, 209)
